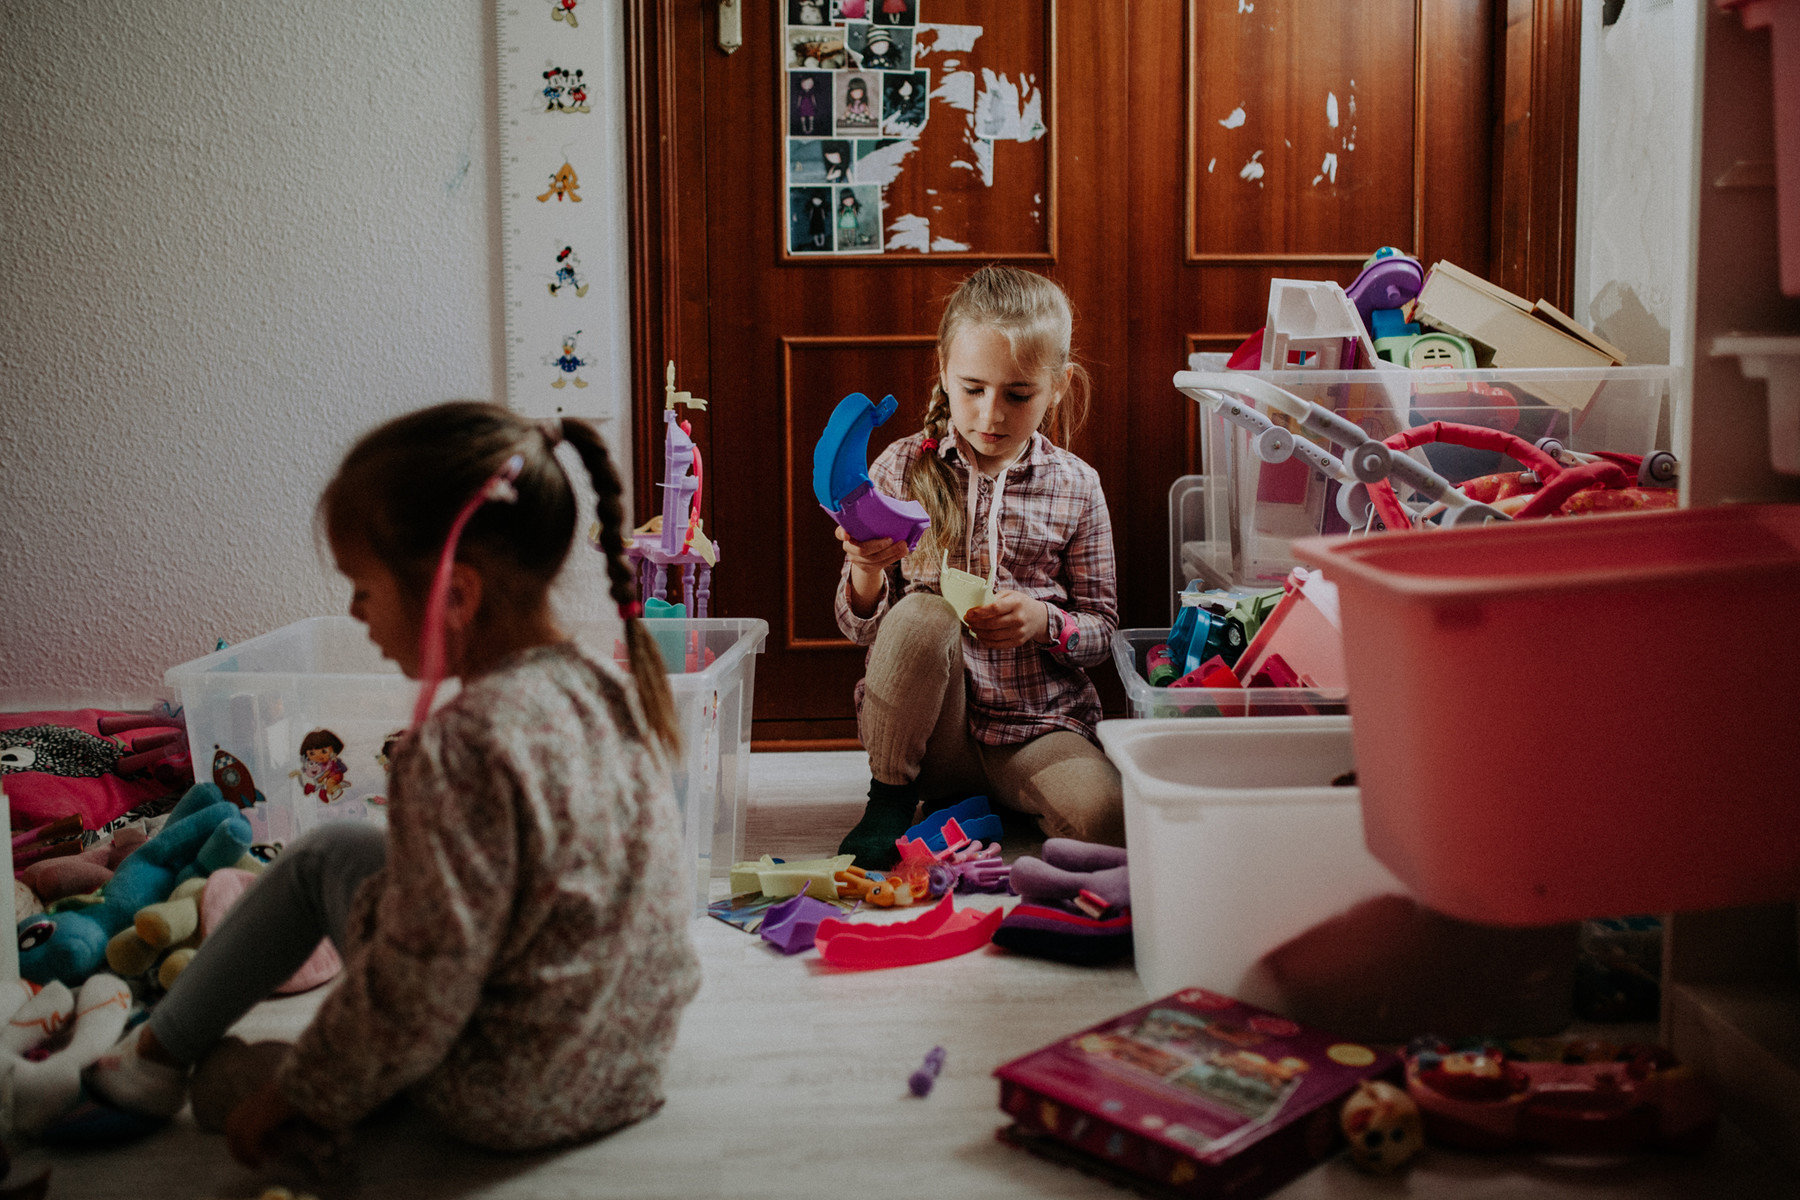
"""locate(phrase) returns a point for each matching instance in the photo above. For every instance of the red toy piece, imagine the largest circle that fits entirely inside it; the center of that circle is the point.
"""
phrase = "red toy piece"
(943, 932)
(1479, 1099)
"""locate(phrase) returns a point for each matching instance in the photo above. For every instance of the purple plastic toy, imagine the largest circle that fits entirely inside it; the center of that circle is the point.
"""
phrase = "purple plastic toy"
(1389, 279)
(921, 1080)
(676, 538)
(841, 477)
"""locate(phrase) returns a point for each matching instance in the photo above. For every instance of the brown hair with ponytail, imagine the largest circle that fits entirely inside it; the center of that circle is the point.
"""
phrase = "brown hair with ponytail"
(1034, 316)
(400, 487)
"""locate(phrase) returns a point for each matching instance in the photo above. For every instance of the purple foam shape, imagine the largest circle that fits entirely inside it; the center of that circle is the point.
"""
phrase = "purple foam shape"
(867, 514)
(791, 925)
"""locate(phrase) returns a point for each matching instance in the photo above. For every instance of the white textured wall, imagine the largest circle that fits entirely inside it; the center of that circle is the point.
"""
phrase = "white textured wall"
(232, 236)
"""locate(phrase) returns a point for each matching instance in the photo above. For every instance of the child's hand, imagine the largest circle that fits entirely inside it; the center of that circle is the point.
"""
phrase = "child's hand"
(875, 555)
(265, 1127)
(869, 562)
(1013, 619)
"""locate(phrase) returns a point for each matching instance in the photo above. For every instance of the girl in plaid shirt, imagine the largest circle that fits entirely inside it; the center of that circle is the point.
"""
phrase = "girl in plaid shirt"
(996, 701)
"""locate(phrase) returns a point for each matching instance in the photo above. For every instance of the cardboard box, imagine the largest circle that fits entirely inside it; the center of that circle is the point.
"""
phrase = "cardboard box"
(1196, 1094)
(1510, 331)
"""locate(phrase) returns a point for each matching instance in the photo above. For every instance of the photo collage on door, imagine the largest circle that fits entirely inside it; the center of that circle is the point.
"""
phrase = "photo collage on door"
(852, 92)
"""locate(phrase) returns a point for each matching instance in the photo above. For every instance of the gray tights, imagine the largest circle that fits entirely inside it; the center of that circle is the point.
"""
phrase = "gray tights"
(303, 896)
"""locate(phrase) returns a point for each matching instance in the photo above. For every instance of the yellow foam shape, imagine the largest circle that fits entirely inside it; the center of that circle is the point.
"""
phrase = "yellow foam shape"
(963, 590)
(781, 879)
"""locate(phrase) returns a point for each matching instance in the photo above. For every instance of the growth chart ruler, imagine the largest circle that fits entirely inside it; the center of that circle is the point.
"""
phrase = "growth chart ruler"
(562, 233)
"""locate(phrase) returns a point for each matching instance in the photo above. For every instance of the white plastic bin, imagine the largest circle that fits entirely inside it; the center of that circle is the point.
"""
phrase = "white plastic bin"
(260, 699)
(1233, 523)
(1237, 843)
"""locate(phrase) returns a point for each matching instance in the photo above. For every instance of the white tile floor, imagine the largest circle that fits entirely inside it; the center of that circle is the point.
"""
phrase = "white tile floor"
(789, 1079)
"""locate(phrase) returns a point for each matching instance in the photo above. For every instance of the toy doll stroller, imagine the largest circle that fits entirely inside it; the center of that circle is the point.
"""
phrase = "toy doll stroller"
(1555, 481)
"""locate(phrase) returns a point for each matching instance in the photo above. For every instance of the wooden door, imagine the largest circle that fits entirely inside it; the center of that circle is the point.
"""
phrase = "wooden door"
(1189, 153)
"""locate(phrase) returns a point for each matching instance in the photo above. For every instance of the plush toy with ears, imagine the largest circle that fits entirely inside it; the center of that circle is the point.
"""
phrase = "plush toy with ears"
(46, 1084)
(204, 833)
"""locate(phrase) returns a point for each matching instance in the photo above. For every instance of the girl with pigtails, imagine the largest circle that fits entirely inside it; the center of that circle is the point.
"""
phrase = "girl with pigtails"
(515, 943)
(996, 701)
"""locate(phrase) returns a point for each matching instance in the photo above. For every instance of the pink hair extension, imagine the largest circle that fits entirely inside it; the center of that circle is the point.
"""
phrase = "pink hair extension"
(431, 637)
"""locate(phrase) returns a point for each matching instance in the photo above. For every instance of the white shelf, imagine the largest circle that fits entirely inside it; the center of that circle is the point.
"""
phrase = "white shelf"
(1774, 358)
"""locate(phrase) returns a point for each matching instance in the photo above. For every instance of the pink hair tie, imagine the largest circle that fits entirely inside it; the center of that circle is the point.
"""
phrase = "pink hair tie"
(498, 487)
(631, 610)
(928, 444)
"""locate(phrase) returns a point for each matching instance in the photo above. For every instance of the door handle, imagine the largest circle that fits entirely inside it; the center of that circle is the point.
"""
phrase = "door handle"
(731, 25)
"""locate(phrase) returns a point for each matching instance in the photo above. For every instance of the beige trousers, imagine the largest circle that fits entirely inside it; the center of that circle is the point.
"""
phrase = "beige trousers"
(915, 726)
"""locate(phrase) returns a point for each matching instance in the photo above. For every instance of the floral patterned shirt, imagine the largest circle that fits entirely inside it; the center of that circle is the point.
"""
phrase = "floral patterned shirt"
(520, 964)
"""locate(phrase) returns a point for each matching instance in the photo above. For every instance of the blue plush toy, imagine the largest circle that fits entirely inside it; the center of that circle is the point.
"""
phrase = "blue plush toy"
(204, 833)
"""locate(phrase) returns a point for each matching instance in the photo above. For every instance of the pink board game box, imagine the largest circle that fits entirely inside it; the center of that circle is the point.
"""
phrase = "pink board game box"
(1196, 1094)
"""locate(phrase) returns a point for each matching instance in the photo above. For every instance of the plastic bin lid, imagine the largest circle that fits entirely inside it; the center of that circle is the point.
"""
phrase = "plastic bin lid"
(1710, 547)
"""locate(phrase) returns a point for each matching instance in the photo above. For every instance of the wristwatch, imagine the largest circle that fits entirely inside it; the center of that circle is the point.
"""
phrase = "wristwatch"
(1064, 633)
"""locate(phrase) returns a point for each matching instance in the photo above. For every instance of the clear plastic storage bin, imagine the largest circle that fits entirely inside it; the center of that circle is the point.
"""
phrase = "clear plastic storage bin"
(1130, 646)
(1233, 524)
(260, 699)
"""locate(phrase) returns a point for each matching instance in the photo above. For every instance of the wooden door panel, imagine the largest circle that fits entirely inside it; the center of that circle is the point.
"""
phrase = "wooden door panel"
(1300, 129)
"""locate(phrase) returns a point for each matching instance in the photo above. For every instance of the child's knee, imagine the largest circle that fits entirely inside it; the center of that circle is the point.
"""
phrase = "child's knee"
(1080, 798)
(333, 845)
(922, 616)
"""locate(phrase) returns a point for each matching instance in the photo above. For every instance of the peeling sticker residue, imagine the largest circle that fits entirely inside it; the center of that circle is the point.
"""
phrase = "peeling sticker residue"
(909, 231)
(1210, 164)
(945, 243)
(1006, 111)
(1236, 118)
(882, 165)
(1327, 170)
(957, 89)
(947, 39)
(1331, 109)
(984, 159)
(1252, 169)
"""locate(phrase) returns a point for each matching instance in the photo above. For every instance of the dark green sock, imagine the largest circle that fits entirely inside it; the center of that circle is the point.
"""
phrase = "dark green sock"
(888, 815)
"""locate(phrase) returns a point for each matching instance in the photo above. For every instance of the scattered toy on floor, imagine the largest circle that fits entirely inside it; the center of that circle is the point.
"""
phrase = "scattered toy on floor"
(920, 1082)
(1382, 1125)
(51, 1034)
(204, 833)
(942, 932)
(792, 925)
(1077, 905)
(1480, 1098)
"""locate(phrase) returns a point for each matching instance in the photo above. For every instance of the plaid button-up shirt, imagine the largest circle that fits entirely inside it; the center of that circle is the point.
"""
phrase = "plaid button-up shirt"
(1055, 545)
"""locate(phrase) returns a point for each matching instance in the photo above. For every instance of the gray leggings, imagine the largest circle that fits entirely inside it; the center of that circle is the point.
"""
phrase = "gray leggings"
(303, 896)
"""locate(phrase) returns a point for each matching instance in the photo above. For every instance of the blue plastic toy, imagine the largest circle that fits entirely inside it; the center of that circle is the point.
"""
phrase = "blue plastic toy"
(978, 821)
(841, 476)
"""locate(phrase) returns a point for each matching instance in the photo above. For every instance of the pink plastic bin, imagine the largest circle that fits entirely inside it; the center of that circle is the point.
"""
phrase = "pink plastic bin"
(1578, 718)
